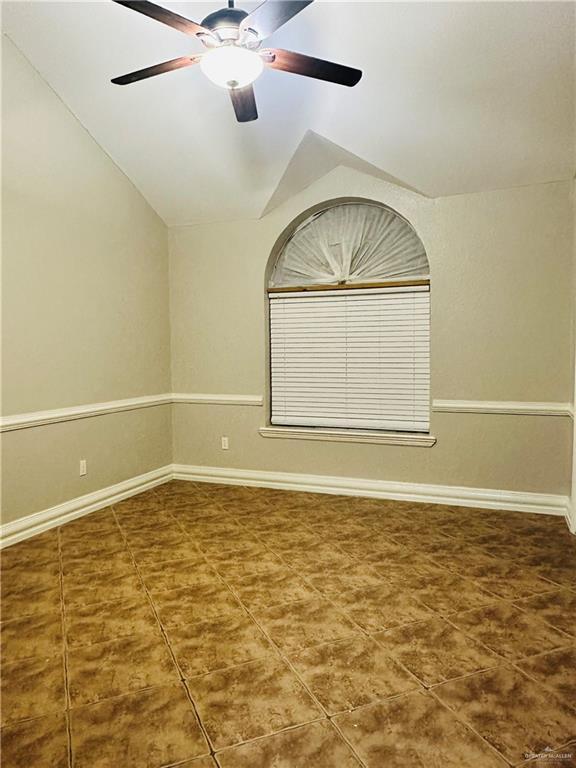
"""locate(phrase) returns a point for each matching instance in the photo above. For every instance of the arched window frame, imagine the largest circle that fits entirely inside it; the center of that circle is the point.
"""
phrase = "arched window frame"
(341, 430)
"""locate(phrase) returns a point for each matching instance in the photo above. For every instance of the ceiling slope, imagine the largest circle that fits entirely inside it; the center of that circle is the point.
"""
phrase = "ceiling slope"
(314, 158)
(455, 98)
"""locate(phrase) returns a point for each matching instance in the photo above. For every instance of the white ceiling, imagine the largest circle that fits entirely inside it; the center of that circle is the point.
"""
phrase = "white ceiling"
(456, 97)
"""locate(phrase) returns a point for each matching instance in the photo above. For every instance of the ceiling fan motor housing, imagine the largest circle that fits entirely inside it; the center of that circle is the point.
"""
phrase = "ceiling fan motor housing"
(225, 23)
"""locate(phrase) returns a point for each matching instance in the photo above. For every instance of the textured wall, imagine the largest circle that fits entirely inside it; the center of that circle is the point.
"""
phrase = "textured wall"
(501, 330)
(85, 302)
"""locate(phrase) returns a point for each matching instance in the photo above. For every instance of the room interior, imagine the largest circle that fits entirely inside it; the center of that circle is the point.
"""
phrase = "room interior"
(288, 383)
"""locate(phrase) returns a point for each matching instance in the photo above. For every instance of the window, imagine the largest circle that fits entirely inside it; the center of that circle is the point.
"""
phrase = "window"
(350, 323)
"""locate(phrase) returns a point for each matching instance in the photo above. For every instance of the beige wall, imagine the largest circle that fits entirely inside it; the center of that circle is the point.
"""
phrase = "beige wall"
(501, 317)
(572, 508)
(85, 302)
(86, 319)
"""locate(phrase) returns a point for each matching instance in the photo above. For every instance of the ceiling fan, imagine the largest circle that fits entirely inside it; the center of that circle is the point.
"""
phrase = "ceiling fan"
(234, 57)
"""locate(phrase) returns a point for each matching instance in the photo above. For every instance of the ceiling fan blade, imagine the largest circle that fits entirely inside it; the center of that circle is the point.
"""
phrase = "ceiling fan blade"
(297, 63)
(165, 16)
(271, 15)
(157, 69)
(244, 103)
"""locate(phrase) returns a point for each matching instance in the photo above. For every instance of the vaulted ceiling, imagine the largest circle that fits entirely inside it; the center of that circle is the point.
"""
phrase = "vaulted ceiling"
(455, 98)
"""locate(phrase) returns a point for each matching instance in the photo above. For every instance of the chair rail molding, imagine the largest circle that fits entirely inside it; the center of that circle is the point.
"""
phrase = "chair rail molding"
(199, 399)
(57, 415)
(89, 410)
(503, 406)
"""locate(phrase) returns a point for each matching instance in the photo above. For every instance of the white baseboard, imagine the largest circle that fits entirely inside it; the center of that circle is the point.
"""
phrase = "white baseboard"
(542, 503)
(548, 504)
(11, 533)
(571, 515)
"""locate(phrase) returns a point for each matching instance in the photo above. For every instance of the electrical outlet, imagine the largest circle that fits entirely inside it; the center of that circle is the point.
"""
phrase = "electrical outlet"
(225, 444)
(83, 467)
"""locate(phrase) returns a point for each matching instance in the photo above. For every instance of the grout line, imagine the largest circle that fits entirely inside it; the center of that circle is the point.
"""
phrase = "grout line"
(64, 646)
(282, 656)
(165, 638)
(467, 725)
(259, 535)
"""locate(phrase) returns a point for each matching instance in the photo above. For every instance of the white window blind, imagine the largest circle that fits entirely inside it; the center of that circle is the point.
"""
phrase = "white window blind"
(352, 359)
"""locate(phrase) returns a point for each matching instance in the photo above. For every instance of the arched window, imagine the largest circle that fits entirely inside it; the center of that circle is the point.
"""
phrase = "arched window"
(350, 322)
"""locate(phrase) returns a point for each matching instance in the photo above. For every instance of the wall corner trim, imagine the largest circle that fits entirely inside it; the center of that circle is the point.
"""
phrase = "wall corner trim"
(571, 515)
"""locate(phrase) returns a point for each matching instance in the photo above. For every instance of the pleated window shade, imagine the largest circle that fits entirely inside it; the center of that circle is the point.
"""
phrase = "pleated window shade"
(356, 359)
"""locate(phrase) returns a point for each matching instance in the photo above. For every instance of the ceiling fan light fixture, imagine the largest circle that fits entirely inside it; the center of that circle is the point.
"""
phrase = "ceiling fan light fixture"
(231, 66)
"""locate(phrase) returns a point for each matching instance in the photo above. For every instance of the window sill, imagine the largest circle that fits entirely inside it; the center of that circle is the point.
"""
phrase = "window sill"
(415, 439)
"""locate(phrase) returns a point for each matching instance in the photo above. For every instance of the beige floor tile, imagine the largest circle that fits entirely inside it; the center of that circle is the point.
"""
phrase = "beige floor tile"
(120, 666)
(234, 569)
(40, 743)
(101, 587)
(22, 578)
(159, 551)
(448, 593)
(98, 623)
(137, 505)
(214, 644)
(199, 762)
(38, 550)
(166, 535)
(148, 729)
(39, 635)
(377, 608)
(509, 631)
(32, 688)
(316, 745)
(29, 601)
(435, 651)
(562, 574)
(273, 588)
(101, 521)
(556, 670)
(513, 713)
(414, 730)
(190, 604)
(355, 576)
(508, 580)
(151, 522)
(310, 568)
(254, 699)
(174, 574)
(119, 561)
(98, 545)
(350, 673)
(305, 623)
(557, 608)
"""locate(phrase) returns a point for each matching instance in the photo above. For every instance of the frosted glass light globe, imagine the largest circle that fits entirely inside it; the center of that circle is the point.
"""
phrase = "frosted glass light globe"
(231, 66)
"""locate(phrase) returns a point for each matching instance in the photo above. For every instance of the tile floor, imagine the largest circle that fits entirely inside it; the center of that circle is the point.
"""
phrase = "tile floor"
(205, 626)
